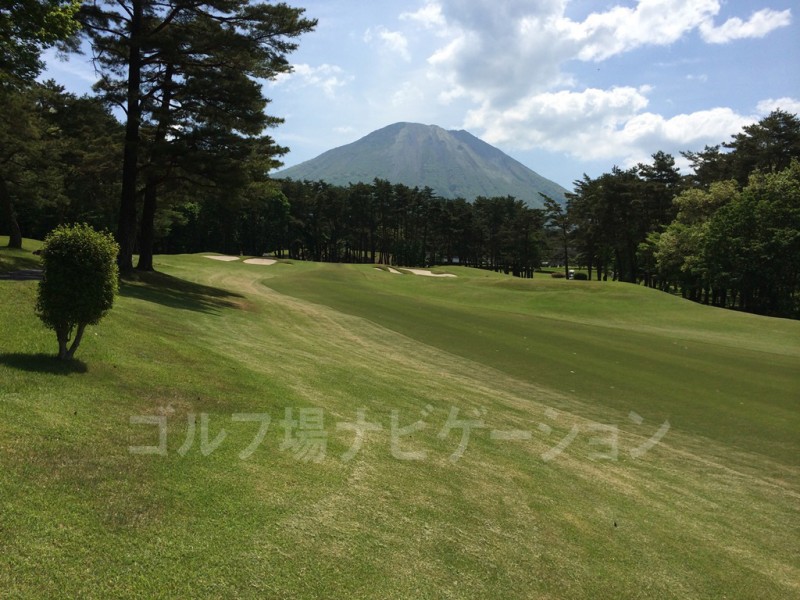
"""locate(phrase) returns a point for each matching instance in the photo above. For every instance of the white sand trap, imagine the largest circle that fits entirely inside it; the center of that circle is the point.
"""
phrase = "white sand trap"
(260, 261)
(427, 273)
(224, 258)
(389, 269)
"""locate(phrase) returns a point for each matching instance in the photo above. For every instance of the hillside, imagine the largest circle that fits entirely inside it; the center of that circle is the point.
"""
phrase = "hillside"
(475, 436)
(453, 163)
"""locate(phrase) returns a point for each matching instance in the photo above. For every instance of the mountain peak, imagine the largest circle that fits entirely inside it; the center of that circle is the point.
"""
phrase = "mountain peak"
(453, 163)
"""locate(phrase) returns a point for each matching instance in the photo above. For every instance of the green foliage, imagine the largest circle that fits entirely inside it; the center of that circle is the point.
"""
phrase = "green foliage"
(395, 224)
(59, 161)
(580, 277)
(768, 145)
(79, 282)
(190, 77)
(26, 28)
(752, 246)
(729, 237)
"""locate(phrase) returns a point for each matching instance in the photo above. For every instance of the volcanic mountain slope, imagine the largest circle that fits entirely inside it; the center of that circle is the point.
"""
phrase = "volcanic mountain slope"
(453, 163)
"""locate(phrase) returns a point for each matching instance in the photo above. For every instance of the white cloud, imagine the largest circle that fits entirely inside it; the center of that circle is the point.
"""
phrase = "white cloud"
(394, 41)
(758, 25)
(407, 94)
(507, 58)
(77, 68)
(326, 77)
(504, 51)
(621, 29)
(507, 70)
(789, 105)
(602, 124)
(429, 16)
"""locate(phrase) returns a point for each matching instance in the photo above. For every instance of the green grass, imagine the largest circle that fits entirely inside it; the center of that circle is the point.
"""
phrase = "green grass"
(17, 260)
(712, 511)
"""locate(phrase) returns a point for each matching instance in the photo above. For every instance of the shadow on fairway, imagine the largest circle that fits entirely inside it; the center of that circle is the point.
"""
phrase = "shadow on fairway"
(42, 363)
(177, 293)
(18, 262)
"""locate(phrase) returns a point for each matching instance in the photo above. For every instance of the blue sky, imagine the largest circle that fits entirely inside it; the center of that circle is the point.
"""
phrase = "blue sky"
(565, 87)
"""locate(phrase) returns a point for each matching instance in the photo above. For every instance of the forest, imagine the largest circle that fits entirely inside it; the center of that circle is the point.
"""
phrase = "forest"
(170, 154)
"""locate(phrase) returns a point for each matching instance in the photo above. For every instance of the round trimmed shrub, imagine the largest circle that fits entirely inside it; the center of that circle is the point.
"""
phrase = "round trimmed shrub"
(79, 282)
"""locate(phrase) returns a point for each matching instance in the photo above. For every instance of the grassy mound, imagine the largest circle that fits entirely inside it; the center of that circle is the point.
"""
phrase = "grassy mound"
(560, 490)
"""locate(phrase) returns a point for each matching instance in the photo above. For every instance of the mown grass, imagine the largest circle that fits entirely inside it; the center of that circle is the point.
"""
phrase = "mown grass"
(711, 511)
(17, 260)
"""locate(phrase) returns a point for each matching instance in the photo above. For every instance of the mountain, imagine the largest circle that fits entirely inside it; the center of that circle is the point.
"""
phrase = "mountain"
(453, 163)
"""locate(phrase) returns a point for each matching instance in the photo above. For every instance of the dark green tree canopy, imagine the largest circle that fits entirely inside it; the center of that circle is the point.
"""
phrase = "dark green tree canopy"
(26, 28)
(724, 235)
(59, 161)
(185, 72)
(769, 145)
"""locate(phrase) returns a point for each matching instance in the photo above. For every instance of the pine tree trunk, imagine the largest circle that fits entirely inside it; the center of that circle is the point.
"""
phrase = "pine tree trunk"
(147, 228)
(10, 216)
(147, 231)
(126, 230)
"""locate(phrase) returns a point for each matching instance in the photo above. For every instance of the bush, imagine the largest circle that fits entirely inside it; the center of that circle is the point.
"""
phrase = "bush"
(79, 282)
(580, 276)
(557, 275)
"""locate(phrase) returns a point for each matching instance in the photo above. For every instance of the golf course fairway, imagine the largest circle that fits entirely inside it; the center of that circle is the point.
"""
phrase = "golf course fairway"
(305, 430)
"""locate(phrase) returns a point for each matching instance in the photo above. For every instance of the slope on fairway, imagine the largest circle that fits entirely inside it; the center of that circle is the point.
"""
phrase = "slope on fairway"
(617, 346)
(711, 511)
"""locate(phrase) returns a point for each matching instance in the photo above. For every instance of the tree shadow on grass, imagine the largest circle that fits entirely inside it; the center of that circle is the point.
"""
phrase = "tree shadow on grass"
(18, 262)
(42, 363)
(177, 293)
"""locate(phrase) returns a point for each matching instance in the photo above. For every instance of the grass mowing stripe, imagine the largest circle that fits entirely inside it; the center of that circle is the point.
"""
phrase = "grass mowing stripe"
(704, 388)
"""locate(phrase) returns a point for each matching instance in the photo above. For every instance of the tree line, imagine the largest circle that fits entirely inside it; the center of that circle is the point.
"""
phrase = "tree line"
(186, 76)
(170, 153)
(727, 234)
(376, 222)
(60, 163)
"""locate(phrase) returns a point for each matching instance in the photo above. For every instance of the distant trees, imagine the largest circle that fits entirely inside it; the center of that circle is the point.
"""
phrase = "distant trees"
(725, 235)
(79, 283)
(768, 145)
(22, 154)
(558, 217)
(614, 213)
(371, 223)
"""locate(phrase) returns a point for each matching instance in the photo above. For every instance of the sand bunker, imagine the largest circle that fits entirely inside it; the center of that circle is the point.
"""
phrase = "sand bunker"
(427, 273)
(423, 272)
(260, 261)
(225, 258)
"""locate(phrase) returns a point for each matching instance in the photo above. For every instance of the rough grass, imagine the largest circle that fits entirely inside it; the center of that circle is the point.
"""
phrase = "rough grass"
(711, 511)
